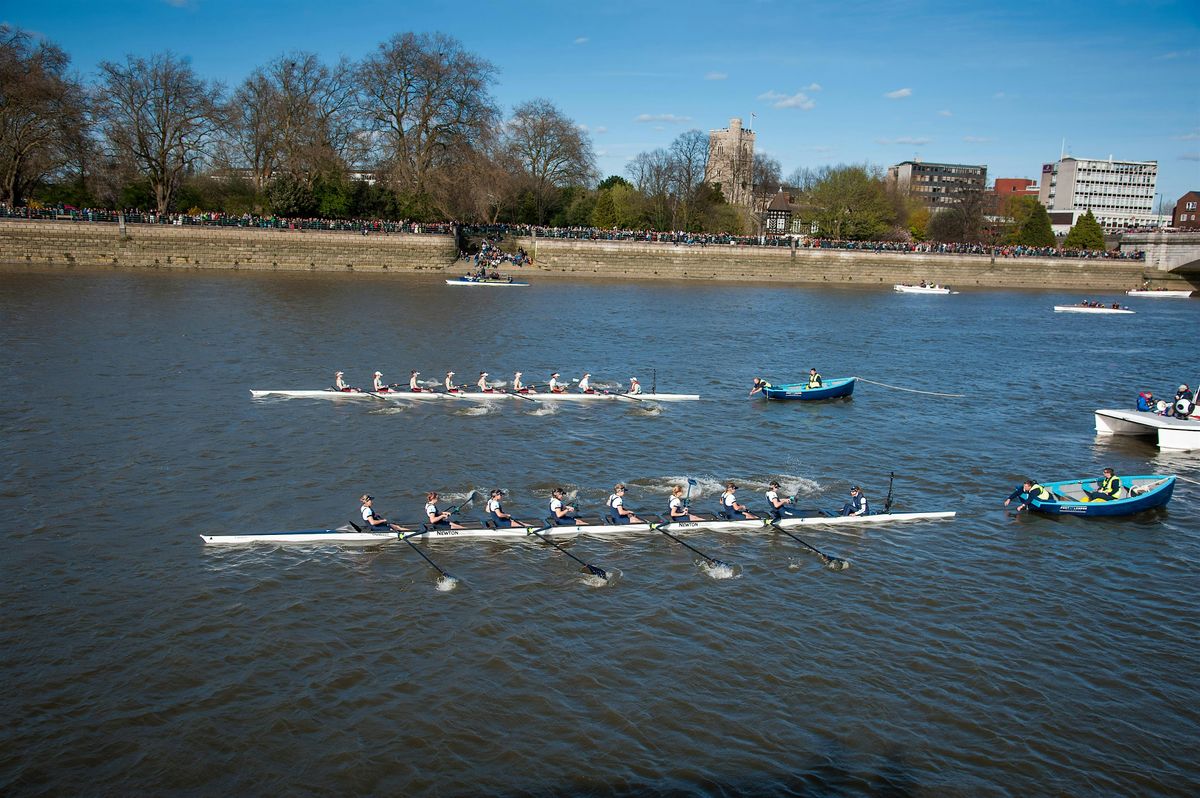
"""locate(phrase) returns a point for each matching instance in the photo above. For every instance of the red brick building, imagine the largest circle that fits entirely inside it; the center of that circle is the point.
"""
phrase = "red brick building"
(1187, 212)
(1008, 187)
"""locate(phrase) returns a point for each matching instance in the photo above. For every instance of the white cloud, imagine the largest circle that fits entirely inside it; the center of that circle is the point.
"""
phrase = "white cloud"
(1193, 136)
(915, 140)
(812, 87)
(670, 119)
(976, 139)
(898, 94)
(798, 100)
(601, 129)
(581, 40)
(716, 76)
(944, 113)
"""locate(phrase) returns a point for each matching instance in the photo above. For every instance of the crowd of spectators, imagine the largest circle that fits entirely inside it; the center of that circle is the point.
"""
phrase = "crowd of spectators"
(496, 232)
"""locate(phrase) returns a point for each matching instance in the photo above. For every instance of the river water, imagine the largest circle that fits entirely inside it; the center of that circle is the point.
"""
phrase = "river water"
(992, 654)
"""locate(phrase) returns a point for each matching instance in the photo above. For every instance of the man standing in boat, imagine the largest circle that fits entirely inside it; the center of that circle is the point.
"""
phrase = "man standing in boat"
(814, 379)
(858, 504)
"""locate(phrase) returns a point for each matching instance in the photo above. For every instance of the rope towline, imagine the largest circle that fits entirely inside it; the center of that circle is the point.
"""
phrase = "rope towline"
(912, 390)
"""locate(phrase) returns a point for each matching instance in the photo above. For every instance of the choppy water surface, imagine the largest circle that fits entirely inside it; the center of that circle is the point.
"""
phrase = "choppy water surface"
(991, 654)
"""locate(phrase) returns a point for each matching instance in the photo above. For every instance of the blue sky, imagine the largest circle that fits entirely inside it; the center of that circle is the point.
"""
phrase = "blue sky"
(1001, 84)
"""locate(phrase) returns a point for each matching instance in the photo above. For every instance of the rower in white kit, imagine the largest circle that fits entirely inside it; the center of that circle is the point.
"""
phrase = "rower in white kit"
(450, 382)
(482, 385)
(412, 382)
(555, 385)
(585, 385)
(380, 386)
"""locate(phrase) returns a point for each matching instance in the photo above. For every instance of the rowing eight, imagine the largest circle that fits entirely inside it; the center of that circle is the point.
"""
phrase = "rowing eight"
(478, 396)
(592, 526)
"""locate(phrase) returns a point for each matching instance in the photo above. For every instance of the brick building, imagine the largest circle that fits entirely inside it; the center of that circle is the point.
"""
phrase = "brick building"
(1186, 215)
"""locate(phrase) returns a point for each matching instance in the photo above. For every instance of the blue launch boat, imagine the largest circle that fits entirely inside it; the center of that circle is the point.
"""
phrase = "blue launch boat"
(1137, 494)
(831, 389)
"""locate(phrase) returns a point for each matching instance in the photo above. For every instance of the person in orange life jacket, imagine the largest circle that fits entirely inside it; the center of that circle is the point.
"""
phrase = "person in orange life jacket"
(1108, 487)
(858, 504)
(374, 521)
(1028, 491)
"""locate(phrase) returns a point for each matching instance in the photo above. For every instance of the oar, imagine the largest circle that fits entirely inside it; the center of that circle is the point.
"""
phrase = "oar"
(405, 538)
(588, 568)
(887, 503)
(832, 563)
(523, 396)
(467, 503)
(688, 546)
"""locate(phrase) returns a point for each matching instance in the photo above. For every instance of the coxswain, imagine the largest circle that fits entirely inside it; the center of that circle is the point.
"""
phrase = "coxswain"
(585, 385)
(779, 506)
(760, 385)
(450, 382)
(730, 505)
(561, 513)
(380, 387)
(482, 385)
(616, 507)
(555, 385)
(635, 387)
(374, 521)
(1028, 491)
(437, 518)
(413, 385)
(858, 504)
(496, 510)
(1183, 404)
(814, 379)
(339, 383)
(677, 509)
(1108, 487)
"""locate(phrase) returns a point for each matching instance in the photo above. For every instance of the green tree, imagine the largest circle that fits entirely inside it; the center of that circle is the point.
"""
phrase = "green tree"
(1034, 230)
(1086, 234)
(288, 196)
(849, 202)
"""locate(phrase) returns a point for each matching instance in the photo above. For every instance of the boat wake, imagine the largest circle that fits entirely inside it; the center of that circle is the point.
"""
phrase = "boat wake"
(485, 409)
(544, 410)
(593, 580)
(648, 409)
(389, 411)
(446, 583)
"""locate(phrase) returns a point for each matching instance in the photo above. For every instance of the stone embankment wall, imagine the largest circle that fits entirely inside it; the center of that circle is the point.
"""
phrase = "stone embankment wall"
(625, 260)
(169, 247)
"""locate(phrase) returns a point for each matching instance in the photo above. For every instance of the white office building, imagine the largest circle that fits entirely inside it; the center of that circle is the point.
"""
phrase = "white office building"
(1120, 194)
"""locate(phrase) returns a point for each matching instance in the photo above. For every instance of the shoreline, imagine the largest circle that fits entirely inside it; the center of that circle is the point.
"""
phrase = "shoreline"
(60, 245)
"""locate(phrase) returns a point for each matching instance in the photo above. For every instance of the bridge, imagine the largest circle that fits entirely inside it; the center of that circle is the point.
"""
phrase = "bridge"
(1177, 253)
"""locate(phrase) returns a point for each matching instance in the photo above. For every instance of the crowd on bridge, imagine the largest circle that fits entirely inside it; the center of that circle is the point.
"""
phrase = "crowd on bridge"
(496, 232)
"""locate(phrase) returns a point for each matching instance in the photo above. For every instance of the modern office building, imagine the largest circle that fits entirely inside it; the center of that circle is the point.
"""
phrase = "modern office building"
(938, 184)
(731, 162)
(1120, 194)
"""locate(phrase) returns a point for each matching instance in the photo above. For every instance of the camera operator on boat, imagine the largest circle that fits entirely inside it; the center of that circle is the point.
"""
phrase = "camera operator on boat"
(1184, 402)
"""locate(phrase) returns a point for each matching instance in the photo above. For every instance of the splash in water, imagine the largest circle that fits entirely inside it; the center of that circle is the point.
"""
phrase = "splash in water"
(446, 583)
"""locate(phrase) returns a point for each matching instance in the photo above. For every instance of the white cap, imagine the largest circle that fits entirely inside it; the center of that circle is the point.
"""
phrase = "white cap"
(633, 379)
(379, 374)
(339, 374)
(448, 373)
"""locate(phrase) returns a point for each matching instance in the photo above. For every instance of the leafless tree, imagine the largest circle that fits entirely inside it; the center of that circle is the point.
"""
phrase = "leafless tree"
(767, 174)
(653, 174)
(550, 149)
(689, 159)
(158, 115)
(42, 113)
(425, 101)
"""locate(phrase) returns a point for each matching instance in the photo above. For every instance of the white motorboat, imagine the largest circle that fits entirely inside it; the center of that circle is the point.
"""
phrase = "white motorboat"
(476, 396)
(1159, 294)
(503, 281)
(921, 289)
(1090, 309)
